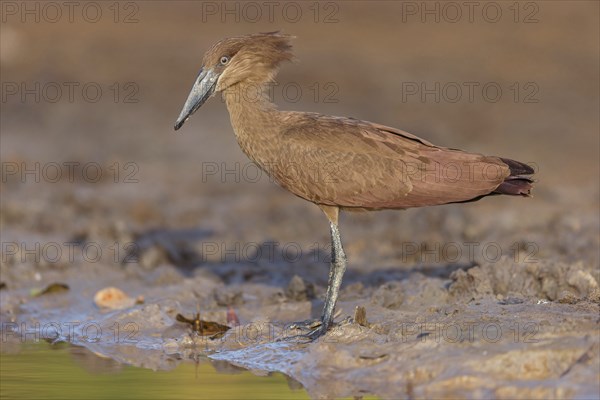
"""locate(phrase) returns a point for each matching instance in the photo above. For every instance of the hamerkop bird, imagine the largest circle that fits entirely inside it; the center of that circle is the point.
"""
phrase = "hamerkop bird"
(335, 162)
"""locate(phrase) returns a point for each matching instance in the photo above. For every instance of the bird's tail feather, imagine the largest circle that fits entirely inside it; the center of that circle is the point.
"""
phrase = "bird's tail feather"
(518, 183)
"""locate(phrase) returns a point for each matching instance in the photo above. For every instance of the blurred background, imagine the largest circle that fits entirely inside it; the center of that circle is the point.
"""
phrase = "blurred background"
(90, 95)
(99, 87)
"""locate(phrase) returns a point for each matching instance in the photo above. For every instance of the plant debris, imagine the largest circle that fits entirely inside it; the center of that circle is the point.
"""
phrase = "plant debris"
(204, 328)
(52, 288)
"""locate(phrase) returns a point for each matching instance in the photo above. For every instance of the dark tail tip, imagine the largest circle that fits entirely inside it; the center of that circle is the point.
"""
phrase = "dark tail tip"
(517, 183)
(517, 167)
(515, 187)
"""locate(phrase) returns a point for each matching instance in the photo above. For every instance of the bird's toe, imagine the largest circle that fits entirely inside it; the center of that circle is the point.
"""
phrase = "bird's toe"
(306, 331)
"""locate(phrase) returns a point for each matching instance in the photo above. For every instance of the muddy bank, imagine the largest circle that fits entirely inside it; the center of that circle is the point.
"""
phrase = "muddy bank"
(524, 325)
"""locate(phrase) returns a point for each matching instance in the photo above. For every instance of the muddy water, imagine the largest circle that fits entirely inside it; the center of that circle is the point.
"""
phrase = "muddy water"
(62, 371)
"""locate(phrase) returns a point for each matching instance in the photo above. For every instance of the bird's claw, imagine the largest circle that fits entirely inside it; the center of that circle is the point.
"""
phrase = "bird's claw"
(308, 325)
(309, 330)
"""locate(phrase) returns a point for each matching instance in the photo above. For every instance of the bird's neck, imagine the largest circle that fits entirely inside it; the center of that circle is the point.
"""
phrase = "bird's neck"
(256, 121)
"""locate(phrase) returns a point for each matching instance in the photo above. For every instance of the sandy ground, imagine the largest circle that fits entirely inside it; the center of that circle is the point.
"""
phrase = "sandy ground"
(498, 298)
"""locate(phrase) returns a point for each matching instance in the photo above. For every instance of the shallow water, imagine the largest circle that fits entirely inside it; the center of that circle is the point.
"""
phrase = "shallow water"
(67, 372)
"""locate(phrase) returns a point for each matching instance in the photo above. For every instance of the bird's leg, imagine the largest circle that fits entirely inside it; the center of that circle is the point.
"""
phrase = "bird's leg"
(336, 272)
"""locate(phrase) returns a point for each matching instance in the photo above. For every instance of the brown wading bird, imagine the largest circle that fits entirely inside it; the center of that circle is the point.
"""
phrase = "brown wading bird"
(335, 162)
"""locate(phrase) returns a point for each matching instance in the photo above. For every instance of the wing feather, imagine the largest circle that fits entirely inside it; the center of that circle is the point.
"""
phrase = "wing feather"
(352, 163)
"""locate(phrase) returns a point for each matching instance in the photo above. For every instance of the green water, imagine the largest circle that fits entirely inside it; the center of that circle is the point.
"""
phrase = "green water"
(40, 371)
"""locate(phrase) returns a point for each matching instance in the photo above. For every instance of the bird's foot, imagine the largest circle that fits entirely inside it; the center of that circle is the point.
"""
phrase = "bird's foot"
(309, 330)
(305, 326)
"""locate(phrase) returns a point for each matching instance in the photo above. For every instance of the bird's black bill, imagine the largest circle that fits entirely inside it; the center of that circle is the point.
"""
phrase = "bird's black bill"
(203, 88)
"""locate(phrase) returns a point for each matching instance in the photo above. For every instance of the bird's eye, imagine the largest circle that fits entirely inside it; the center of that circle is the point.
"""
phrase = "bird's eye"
(224, 60)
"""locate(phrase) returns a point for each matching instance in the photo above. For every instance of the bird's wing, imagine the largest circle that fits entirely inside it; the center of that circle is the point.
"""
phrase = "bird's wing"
(352, 163)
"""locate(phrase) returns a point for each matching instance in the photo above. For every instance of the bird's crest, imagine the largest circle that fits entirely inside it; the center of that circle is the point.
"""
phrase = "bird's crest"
(255, 58)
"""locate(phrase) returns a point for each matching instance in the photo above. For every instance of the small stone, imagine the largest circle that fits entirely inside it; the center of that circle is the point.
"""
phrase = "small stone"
(113, 298)
(298, 290)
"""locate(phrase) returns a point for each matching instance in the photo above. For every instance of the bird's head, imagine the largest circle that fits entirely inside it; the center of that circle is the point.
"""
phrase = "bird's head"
(251, 59)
